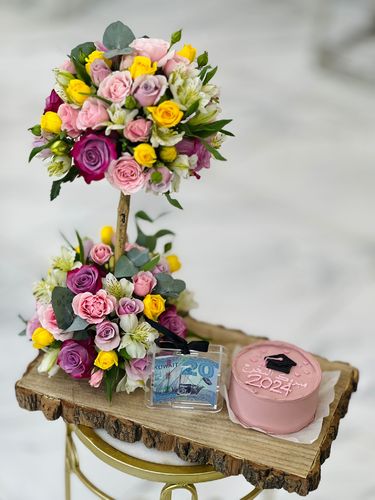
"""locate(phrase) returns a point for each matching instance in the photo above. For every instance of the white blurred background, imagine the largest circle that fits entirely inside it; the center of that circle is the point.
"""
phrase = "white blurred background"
(278, 241)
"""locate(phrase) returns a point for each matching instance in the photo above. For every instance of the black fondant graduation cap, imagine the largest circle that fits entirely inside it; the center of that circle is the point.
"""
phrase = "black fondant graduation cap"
(280, 363)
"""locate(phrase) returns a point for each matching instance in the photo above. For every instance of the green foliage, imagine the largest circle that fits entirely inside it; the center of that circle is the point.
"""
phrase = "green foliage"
(111, 378)
(124, 354)
(156, 177)
(125, 268)
(138, 257)
(191, 109)
(215, 153)
(62, 299)
(169, 286)
(38, 149)
(202, 59)
(209, 75)
(36, 130)
(149, 266)
(173, 201)
(81, 248)
(78, 325)
(22, 333)
(168, 247)
(56, 185)
(117, 38)
(145, 240)
(176, 37)
(78, 57)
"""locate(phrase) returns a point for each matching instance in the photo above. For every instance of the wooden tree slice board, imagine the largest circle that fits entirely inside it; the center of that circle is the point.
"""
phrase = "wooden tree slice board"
(213, 439)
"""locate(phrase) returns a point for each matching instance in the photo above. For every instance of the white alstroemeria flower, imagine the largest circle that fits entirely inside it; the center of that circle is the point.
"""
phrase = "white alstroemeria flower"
(218, 140)
(129, 385)
(42, 292)
(205, 115)
(62, 80)
(119, 118)
(186, 88)
(59, 166)
(139, 340)
(181, 167)
(128, 322)
(118, 288)
(49, 362)
(56, 277)
(185, 301)
(65, 261)
(163, 136)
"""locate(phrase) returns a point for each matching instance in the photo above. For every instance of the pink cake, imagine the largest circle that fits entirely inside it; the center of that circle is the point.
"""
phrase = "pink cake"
(270, 398)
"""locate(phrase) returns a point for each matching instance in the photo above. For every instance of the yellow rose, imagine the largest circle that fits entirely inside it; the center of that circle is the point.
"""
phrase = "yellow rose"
(42, 338)
(96, 54)
(142, 66)
(153, 306)
(106, 234)
(106, 359)
(168, 153)
(167, 114)
(188, 51)
(50, 122)
(77, 91)
(174, 263)
(145, 155)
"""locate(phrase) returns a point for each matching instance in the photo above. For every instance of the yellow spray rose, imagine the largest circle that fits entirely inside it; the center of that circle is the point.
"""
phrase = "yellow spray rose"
(168, 153)
(154, 305)
(106, 234)
(106, 359)
(77, 91)
(142, 66)
(50, 122)
(174, 263)
(188, 51)
(42, 338)
(96, 54)
(145, 155)
(167, 114)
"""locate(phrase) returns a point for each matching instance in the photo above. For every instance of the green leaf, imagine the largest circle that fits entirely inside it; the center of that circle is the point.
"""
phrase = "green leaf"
(145, 240)
(176, 37)
(56, 185)
(130, 102)
(149, 266)
(173, 201)
(168, 286)
(124, 354)
(138, 257)
(81, 335)
(125, 268)
(81, 51)
(163, 232)
(62, 306)
(226, 132)
(81, 70)
(142, 215)
(215, 153)
(212, 127)
(168, 247)
(66, 240)
(81, 248)
(22, 333)
(78, 324)
(38, 149)
(202, 60)
(117, 36)
(203, 72)
(36, 130)
(209, 75)
(22, 319)
(110, 380)
(191, 109)
(118, 52)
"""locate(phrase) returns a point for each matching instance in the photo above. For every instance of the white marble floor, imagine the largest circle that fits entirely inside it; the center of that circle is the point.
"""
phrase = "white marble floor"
(279, 241)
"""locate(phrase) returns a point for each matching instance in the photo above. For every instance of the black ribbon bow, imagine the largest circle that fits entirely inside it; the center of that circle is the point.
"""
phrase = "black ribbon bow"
(280, 363)
(173, 341)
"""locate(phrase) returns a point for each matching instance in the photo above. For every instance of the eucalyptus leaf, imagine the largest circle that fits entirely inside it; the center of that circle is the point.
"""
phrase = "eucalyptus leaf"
(118, 52)
(78, 324)
(142, 215)
(81, 335)
(168, 286)
(151, 264)
(173, 201)
(145, 240)
(138, 257)
(62, 306)
(118, 36)
(125, 268)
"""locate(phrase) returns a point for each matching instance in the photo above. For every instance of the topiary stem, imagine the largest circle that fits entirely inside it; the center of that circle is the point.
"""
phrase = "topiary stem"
(122, 224)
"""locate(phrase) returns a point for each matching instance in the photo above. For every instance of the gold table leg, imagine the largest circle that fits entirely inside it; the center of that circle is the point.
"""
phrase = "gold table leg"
(166, 492)
(253, 494)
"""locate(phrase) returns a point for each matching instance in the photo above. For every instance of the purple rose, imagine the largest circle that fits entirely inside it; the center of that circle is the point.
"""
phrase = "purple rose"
(84, 279)
(92, 155)
(76, 357)
(53, 102)
(161, 267)
(158, 180)
(171, 320)
(139, 369)
(129, 306)
(192, 147)
(98, 71)
(148, 89)
(107, 336)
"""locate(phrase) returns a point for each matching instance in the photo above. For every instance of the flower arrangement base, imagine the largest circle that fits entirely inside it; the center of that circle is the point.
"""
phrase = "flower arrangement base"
(264, 461)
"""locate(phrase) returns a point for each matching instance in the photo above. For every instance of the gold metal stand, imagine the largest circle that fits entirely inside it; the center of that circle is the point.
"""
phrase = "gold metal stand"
(174, 476)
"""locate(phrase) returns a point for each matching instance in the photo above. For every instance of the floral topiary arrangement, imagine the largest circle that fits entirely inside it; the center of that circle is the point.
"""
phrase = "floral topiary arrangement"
(143, 115)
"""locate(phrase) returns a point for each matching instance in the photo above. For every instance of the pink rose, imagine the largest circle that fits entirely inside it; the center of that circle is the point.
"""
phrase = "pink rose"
(129, 306)
(171, 63)
(96, 378)
(139, 369)
(98, 71)
(154, 48)
(158, 180)
(125, 174)
(47, 318)
(93, 307)
(148, 89)
(69, 116)
(161, 267)
(68, 66)
(101, 253)
(173, 322)
(138, 130)
(32, 325)
(116, 86)
(144, 282)
(107, 336)
(92, 114)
